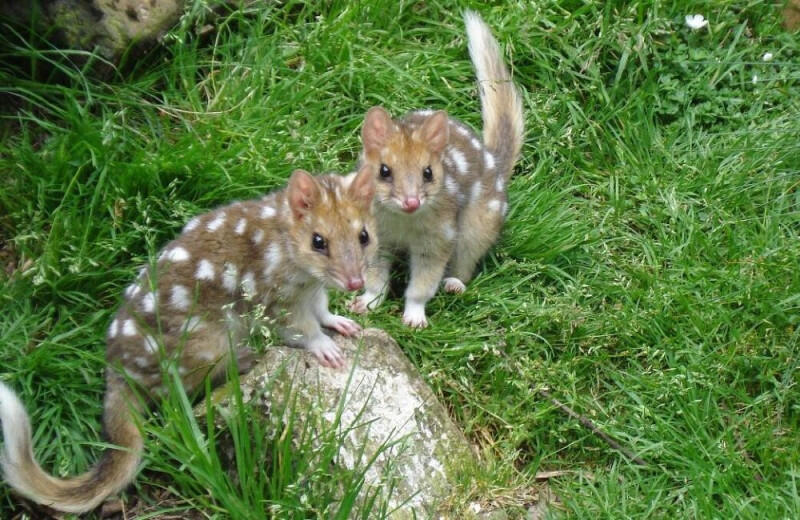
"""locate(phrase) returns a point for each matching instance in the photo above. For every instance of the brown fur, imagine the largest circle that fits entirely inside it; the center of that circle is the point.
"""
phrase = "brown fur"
(192, 308)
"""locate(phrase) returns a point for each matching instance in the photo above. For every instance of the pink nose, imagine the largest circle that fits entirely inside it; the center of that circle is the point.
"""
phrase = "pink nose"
(354, 284)
(411, 204)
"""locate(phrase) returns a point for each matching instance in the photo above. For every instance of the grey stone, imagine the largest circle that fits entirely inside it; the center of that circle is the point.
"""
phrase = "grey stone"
(379, 387)
(497, 514)
(107, 26)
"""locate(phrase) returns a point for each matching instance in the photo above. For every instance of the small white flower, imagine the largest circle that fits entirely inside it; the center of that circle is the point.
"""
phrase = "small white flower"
(767, 56)
(696, 21)
(755, 79)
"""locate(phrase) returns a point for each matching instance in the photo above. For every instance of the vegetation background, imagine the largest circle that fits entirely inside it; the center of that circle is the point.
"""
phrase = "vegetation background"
(647, 276)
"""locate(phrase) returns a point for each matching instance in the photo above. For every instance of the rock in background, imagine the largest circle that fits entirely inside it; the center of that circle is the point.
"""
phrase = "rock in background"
(108, 26)
(383, 401)
(791, 15)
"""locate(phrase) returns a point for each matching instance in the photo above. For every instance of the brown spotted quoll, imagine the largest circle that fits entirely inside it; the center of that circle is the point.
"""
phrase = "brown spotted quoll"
(441, 191)
(280, 252)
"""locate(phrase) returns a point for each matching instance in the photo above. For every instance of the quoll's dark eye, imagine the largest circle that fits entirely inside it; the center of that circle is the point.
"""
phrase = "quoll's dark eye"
(385, 172)
(363, 237)
(319, 243)
(427, 174)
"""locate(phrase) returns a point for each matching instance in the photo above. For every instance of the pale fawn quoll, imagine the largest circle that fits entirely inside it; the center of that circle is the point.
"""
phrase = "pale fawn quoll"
(440, 191)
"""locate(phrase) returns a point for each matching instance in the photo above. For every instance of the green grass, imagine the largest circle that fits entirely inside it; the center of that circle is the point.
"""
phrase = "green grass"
(647, 276)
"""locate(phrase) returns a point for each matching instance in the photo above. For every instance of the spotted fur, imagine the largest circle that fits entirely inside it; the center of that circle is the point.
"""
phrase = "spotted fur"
(191, 307)
(448, 217)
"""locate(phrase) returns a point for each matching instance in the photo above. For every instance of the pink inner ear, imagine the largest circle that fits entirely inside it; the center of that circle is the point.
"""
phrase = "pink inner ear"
(376, 129)
(362, 188)
(302, 192)
(435, 132)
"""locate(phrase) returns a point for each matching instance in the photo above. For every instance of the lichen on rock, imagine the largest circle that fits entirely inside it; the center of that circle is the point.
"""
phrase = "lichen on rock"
(383, 409)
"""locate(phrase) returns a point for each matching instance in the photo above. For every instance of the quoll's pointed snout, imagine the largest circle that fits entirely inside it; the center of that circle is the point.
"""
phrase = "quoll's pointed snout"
(411, 204)
(355, 283)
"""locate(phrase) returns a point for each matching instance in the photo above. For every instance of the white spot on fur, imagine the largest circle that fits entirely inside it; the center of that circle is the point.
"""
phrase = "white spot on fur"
(268, 212)
(128, 328)
(192, 324)
(205, 270)
(132, 290)
(504, 211)
(150, 344)
(488, 159)
(462, 130)
(258, 236)
(424, 112)
(476, 191)
(113, 329)
(191, 224)
(240, 226)
(494, 205)
(347, 180)
(230, 274)
(448, 231)
(272, 257)
(141, 361)
(450, 184)
(500, 185)
(206, 355)
(149, 302)
(249, 285)
(459, 160)
(448, 162)
(178, 254)
(179, 298)
(216, 223)
(475, 143)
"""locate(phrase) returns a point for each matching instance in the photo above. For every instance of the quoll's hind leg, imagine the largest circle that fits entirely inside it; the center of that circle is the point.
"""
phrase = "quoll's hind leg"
(206, 352)
(479, 226)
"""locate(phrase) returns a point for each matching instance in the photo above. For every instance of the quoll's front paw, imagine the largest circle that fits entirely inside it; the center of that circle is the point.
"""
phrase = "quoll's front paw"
(364, 303)
(454, 285)
(342, 325)
(414, 316)
(326, 351)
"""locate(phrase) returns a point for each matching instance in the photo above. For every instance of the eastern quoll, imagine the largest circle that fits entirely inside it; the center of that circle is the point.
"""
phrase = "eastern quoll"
(441, 192)
(280, 252)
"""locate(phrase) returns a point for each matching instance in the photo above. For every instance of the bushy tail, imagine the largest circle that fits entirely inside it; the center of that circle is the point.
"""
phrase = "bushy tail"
(501, 104)
(113, 471)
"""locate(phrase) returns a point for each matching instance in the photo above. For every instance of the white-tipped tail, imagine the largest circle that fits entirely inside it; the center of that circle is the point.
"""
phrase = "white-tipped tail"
(16, 429)
(501, 105)
(81, 493)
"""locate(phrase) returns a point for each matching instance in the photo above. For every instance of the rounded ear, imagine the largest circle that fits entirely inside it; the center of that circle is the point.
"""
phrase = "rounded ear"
(378, 126)
(362, 187)
(303, 193)
(435, 131)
